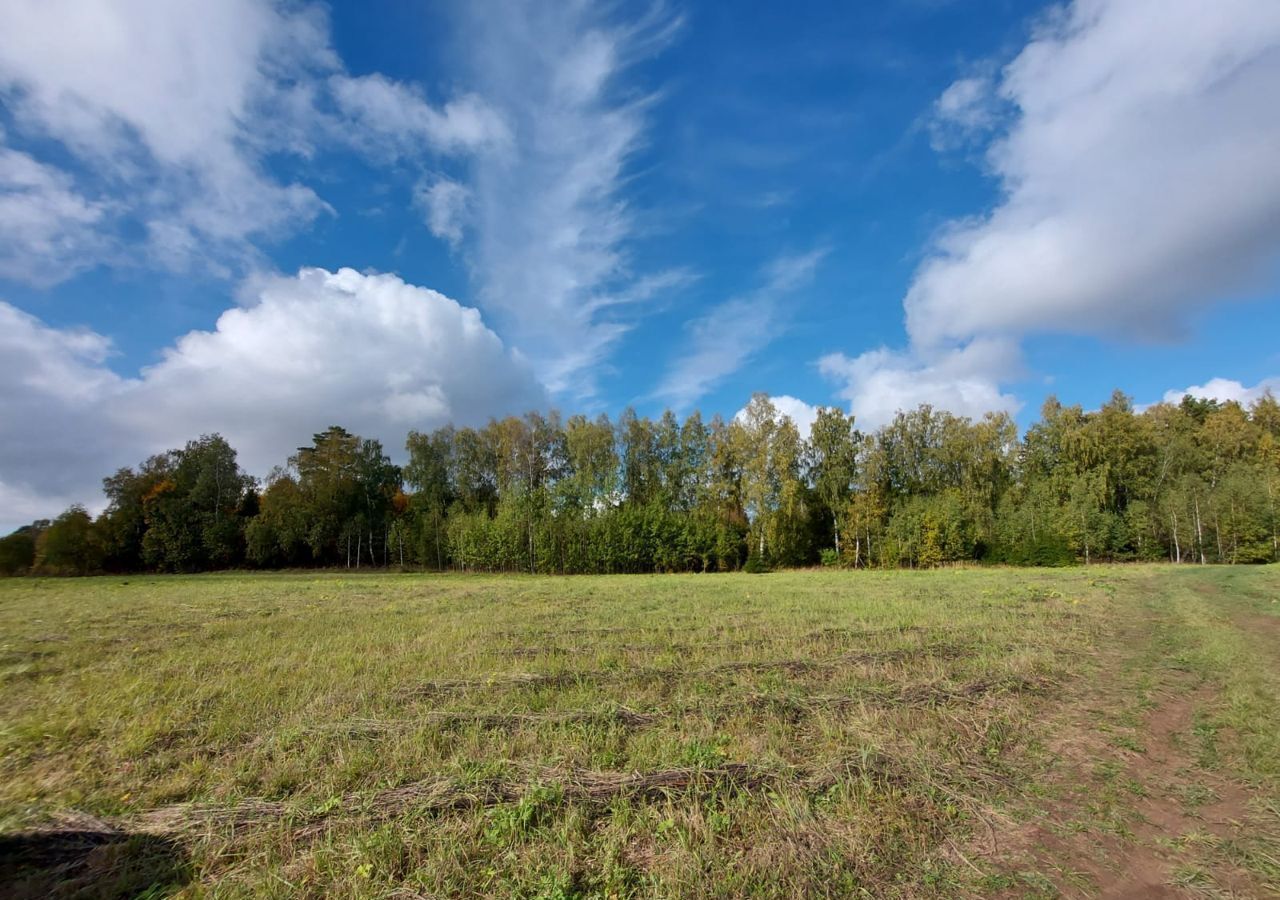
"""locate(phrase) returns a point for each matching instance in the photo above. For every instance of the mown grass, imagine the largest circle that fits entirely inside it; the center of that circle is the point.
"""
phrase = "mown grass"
(800, 733)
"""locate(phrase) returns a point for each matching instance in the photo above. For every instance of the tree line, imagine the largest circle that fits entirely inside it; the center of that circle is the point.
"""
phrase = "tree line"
(1194, 482)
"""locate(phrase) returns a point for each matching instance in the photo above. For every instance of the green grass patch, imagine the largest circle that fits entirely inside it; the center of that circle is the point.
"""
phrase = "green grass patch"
(821, 733)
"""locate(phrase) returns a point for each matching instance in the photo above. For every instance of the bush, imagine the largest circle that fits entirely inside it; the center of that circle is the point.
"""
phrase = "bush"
(70, 545)
(755, 565)
(17, 552)
(830, 558)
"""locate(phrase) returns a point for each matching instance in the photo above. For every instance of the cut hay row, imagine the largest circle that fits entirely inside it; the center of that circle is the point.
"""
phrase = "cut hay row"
(449, 718)
(887, 696)
(721, 630)
(438, 795)
(794, 666)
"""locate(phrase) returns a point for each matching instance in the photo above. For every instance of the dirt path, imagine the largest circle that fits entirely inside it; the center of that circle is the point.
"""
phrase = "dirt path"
(1175, 810)
(1134, 814)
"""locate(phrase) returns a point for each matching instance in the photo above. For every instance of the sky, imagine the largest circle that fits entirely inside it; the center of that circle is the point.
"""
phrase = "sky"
(261, 218)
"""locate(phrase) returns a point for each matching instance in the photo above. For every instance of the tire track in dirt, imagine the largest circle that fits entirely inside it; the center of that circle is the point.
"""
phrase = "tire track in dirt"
(1179, 805)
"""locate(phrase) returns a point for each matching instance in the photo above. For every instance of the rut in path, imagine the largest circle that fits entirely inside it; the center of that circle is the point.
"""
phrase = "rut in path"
(1146, 862)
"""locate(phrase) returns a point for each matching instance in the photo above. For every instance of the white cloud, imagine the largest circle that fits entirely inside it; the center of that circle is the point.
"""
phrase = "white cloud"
(395, 118)
(178, 74)
(182, 119)
(552, 229)
(370, 352)
(55, 442)
(1138, 185)
(880, 383)
(1226, 389)
(43, 220)
(160, 101)
(801, 414)
(446, 205)
(965, 109)
(174, 111)
(725, 338)
(1140, 177)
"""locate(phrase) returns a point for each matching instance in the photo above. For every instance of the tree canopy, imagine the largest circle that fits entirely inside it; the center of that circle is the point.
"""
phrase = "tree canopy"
(1197, 481)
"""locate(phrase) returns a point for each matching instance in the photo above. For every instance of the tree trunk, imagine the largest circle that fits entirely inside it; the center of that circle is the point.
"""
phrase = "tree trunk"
(835, 523)
(1199, 532)
(1235, 535)
(359, 549)
(1177, 549)
(439, 555)
(1275, 538)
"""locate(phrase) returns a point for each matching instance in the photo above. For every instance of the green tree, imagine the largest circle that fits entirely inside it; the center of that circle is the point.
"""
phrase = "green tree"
(70, 545)
(429, 474)
(194, 514)
(832, 460)
(18, 549)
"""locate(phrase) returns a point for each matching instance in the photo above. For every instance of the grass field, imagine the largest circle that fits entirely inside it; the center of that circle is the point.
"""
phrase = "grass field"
(1109, 730)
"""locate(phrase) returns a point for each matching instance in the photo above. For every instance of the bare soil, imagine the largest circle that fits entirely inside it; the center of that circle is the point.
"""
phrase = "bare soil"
(1175, 808)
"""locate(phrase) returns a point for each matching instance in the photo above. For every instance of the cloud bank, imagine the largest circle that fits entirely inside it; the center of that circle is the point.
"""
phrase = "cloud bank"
(369, 352)
(1138, 184)
(801, 414)
(879, 383)
(1226, 390)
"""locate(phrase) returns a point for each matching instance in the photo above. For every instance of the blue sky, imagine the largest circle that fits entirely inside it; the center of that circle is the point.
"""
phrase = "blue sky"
(591, 206)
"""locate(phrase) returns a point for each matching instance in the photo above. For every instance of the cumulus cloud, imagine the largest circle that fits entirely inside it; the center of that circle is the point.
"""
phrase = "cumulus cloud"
(1140, 177)
(725, 338)
(370, 352)
(963, 381)
(446, 205)
(801, 414)
(175, 110)
(552, 228)
(1225, 389)
(54, 435)
(1138, 183)
(158, 100)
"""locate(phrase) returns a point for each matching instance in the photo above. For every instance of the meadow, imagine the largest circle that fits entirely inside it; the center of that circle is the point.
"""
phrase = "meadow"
(1104, 730)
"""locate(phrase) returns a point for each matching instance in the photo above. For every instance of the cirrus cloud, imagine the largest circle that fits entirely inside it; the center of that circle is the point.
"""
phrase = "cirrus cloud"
(552, 227)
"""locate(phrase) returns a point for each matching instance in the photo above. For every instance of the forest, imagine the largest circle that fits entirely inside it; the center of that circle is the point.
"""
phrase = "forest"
(1194, 482)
